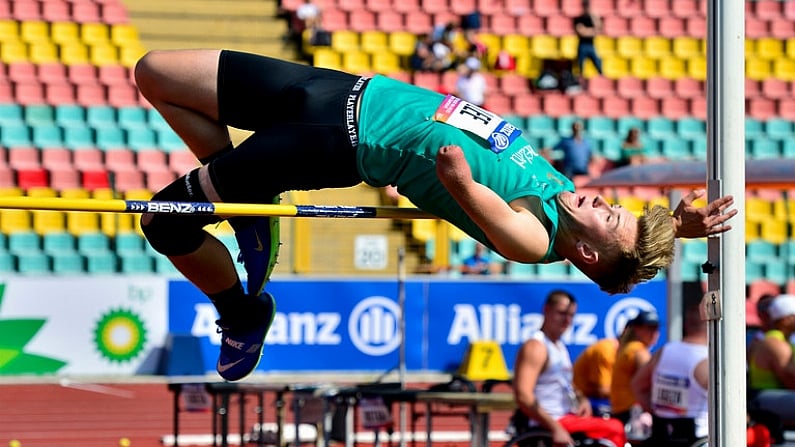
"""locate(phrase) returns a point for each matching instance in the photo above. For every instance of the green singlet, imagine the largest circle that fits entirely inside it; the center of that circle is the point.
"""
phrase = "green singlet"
(398, 143)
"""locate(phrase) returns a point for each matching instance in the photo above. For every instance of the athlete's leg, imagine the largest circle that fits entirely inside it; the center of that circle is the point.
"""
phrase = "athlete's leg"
(183, 86)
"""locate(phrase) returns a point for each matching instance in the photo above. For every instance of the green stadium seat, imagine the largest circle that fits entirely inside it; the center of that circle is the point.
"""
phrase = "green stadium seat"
(555, 271)
(169, 141)
(24, 241)
(519, 121)
(141, 139)
(11, 114)
(109, 138)
(136, 263)
(660, 127)
(7, 264)
(691, 128)
(38, 114)
(99, 116)
(694, 250)
(132, 117)
(58, 242)
(90, 243)
(675, 148)
(753, 127)
(101, 262)
(625, 123)
(761, 148)
(79, 136)
(522, 270)
(129, 242)
(156, 120)
(777, 272)
(164, 267)
(47, 135)
(779, 129)
(67, 262)
(754, 271)
(15, 135)
(691, 271)
(68, 115)
(541, 125)
(601, 127)
(563, 124)
(33, 263)
(761, 250)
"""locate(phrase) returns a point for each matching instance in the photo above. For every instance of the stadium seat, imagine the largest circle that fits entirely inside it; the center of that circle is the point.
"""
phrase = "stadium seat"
(690, 128)
(644, 107)
(697, 68)
(686, 47)
(689, 88)
(673, 107)
(672, 68)
(615, 107)
(357, 62)
(110, 138)
(527, 24)
(616, 67)
(86, 12)
(527, 104)
(778, 128)
(761, 108)
(418, 21)
(696, 26)
(756, 28)
(498, 103)
(585, 106)
(556, 104)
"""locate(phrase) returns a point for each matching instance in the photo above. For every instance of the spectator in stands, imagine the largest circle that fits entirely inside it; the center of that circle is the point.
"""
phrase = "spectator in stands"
(470, 84)
(479, 263)
(543, 381)
(632, 152)
(771, 369)
(640, 335)
(587, 26)
(575, 152)
(756, 335)
(305, 18)
(428, 56)
(316, 128)
(593, 373)
(672, 386)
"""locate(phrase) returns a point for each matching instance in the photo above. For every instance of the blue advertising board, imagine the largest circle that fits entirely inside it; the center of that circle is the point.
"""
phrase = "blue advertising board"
(354, 325)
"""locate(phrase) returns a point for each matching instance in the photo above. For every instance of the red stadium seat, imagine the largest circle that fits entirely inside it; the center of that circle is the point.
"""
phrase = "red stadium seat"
(390, 21)
(498, 103)
(685, 8)
(761, 108)
(56, 11)
(698, 107)
(756, 28)
(429, 80)
(571, 8)
(513, 84)
(672, 26)
(21, 71)
(689, 88)
(488, 7)
(696, 26)
(406, 6)
(789, 11)
(603, 8)
(93, 179)
(379, 5)
(556, 104)
(113, 74)
(56, 157)
(775, 88)
(644, 107)
(50, 72)
(114, 13)
(361, 20)
(418, 22)
(64, 178)
(463, 7)
(29, 92)
(59, 92)
(658, 87)
(32, 178)
(515, 7)
(526, 104)
(786, 108)
(119, 159)
(629, 87)
(350, 5)
(559, 26)
(23, 157)
(434, 6)
(90, 95)
(643, 26)
(122, 95)
(23, 10)
(768, 9)
(548, 8)
(629, 8)
(674, 107)
(753, 88)
(585, 106)
(615, 107)
(88, 159)
(86, 12)
(82, 74)
(615, 26)
(128, 179)
(601, 86)
(656, 8)
(529, 25)
(335, 19)
(782, 28)
(158, 178)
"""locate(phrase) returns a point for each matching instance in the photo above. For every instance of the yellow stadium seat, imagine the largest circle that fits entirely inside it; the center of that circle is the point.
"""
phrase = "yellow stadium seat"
(493, 45)
(629, 46)
(12, 221)
(374, 41)
(790, 48)
(568, 47)
(79, 222)
(103, 54)
(43, 52)
(752, 231)
(64, 32)
(34, 31)
(357, 62)
(784, 69)
(48, 221)
(138, 194)
(657, 47)
(542, 46)
(103, 194)
(769, 48)
(605, 46)
(697, 68)
(758, 209)
(74, 53)
(515, 44)
(11, 52)
(615, 67)
(386, 62)
(774, 230)
(123, 34)
(130, 53)
(643, 67)
(344, 41)
(42, 191)
(672, 67)
(402, 42)
(94, 33)
(9, 31)
(757, 68)
(685, 47)
(633, 204)
(327, 58)
(456, 234)
(10, 191)
(75, 193)
(424, 230)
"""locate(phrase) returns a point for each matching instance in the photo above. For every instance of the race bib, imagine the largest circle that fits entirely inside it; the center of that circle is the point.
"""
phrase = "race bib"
(671, 393)
(487, 125)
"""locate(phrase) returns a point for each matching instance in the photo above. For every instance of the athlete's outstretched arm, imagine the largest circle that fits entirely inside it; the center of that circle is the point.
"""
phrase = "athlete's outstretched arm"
(516, 233)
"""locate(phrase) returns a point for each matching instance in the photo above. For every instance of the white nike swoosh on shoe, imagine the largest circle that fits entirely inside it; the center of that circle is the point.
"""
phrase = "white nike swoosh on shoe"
(223, 368)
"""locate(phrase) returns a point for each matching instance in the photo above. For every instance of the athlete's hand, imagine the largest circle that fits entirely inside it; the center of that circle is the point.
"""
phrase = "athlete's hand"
(452, 167)
(692, 222)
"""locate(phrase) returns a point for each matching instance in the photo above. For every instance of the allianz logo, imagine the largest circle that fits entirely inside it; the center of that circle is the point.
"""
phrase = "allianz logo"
(373, 325)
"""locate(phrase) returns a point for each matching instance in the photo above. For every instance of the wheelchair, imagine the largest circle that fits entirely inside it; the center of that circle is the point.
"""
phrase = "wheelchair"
(674, 432)
(524, 436)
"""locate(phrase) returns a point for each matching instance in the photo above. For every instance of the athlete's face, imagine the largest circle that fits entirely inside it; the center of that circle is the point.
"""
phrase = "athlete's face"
(596, 220)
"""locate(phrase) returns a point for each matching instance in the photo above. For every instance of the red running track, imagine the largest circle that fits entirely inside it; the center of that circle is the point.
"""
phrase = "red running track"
(99, 415)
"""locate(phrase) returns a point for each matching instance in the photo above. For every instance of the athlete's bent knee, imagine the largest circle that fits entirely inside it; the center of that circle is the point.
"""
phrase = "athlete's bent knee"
(177, 234)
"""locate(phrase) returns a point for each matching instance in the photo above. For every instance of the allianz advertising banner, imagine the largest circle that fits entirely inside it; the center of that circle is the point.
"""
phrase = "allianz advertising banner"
(345, 325)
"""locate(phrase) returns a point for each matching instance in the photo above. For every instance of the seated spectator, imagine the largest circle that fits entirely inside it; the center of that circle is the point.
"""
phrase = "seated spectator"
(479, 263)
(576, 152)
(470, 84)
(593, 373)
(672, 386)
(632, 152)
(543, 381)
(771, 369)
(641, 333)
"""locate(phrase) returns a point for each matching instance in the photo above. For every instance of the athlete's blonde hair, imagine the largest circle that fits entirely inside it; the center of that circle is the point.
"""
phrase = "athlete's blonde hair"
(653, 250)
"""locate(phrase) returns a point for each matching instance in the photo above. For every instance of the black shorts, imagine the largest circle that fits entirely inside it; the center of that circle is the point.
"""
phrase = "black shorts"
(300, 138)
